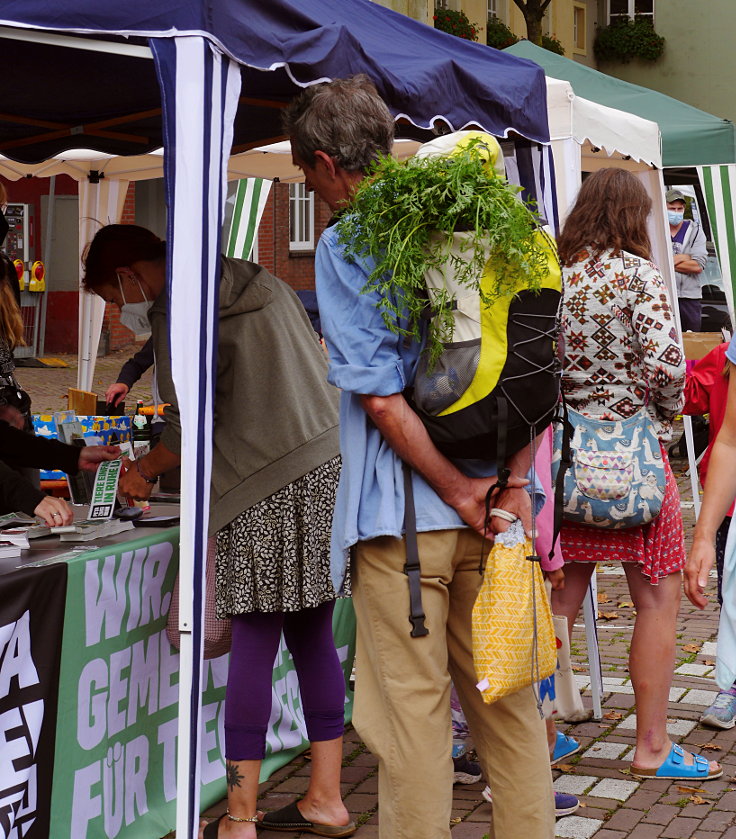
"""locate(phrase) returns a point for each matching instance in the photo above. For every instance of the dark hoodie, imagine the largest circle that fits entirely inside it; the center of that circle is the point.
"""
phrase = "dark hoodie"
(275, 414)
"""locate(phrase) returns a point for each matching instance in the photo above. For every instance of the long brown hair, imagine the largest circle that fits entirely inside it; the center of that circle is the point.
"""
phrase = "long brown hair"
(610, 213)
(11, 320)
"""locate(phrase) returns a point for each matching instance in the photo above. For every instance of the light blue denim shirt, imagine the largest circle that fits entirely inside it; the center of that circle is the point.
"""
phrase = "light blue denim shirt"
(366, 357)
(731, 350)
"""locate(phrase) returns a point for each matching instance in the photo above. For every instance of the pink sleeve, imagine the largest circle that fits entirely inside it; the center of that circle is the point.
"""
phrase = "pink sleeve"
(545, 518)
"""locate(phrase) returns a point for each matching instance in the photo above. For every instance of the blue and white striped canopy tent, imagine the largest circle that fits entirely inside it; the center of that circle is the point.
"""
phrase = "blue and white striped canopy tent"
(221, 71)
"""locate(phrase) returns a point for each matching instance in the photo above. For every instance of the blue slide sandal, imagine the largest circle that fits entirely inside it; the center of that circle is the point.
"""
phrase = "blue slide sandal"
(674, 768)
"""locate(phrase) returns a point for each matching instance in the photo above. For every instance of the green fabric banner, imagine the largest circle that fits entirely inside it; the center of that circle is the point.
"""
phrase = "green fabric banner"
(115, 759)
(719, 187)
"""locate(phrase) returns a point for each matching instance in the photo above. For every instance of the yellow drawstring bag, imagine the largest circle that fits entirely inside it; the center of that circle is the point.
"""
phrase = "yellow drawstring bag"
(513, 635)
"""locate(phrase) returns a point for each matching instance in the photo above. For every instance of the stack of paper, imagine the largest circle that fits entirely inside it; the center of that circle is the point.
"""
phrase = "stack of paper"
(8, 549)
(15, 536)
(88, 529)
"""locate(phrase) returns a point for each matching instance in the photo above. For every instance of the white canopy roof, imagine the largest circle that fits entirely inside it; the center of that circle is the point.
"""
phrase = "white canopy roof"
(601, 130)
(272, 161)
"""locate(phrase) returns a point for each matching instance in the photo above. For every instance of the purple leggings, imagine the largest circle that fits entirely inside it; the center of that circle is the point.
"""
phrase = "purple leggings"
(256, 636)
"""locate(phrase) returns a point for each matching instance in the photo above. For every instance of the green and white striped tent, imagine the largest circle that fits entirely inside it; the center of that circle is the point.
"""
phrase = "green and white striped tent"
(719, 189)
(248, 202)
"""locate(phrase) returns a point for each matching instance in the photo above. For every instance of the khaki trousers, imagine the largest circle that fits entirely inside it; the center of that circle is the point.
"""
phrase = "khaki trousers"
(402, 696)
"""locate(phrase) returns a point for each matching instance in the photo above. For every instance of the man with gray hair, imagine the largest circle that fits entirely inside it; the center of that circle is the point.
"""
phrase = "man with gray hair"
(402, 694)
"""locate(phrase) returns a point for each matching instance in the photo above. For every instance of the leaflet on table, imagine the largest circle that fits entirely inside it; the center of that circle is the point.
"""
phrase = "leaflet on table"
(105, 491)
(20, 523)
(85, 531)
(15, 536)
(69, 430)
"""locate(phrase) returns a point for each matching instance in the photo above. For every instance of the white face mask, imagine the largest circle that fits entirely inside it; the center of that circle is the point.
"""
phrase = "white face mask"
(134, 316)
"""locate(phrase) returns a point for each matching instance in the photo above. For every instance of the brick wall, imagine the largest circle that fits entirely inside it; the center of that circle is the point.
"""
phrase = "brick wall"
(294, 267)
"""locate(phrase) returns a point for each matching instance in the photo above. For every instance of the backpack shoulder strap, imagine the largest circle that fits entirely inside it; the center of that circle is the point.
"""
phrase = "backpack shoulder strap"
(411, 565)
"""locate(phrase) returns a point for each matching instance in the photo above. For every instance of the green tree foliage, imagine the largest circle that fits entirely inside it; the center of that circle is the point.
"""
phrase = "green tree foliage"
(627, 39)
(498, 35)
(455, 23)
(403, 217)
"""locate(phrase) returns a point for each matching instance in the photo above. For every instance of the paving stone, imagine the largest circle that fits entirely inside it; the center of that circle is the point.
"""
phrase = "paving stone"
(694, 669)
(614, 788)
(574, 784)
(360, 802)
(717, 820)
(676, 694)
(699, 697)
(577, 827)
(648, 831)
(727, 801)
(675, 727)
(606, 751)
(680, 828)
(708, 648)
(624, 819)
(661, 814)
(464, 830)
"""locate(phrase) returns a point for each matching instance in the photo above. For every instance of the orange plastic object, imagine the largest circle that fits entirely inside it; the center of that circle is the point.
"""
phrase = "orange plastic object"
(59, 489)
(148, 410)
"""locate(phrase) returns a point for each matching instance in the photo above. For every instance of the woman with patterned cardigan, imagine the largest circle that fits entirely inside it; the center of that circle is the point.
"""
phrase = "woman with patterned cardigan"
(622, 352)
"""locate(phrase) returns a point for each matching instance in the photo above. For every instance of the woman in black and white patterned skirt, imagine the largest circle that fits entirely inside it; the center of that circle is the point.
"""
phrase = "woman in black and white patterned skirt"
(274, 476)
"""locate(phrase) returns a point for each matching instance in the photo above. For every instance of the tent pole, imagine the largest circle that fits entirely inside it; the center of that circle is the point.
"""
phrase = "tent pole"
(35, 36)
(41, 344)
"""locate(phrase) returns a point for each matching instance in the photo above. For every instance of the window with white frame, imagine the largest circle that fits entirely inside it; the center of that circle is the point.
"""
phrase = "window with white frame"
(578, 28)
(301, 218)
(497, 8)
(630, 9)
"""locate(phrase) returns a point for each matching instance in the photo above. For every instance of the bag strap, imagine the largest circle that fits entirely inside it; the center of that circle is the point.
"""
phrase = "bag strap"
(565, 464)
(502, 471)
(411, 566)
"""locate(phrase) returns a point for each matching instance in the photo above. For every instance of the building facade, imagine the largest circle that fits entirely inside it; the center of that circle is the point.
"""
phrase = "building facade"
(699, 62)
(571, 22)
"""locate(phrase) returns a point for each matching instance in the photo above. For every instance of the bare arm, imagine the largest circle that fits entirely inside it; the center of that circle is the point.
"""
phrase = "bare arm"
(404, 432)
(720, 491)
(159, 460)
(685, 264)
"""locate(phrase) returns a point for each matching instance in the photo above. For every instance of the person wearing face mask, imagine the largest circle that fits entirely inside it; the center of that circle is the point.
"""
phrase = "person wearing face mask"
(275, 468)
(690, 255)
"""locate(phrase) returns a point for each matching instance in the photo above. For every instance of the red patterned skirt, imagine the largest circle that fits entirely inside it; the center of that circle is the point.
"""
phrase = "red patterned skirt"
(658, 547)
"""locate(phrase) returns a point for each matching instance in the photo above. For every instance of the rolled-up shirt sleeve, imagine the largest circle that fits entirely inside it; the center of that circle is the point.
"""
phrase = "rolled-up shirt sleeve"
(363, 351)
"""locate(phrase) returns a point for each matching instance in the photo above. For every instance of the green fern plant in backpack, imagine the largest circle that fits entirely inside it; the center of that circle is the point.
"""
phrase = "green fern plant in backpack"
(454, 244)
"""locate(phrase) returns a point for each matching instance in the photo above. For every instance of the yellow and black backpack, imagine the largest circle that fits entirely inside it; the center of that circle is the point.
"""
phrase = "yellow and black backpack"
(496, 384)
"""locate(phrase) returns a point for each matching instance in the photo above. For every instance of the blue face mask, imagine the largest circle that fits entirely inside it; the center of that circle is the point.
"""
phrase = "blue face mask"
(675, 216)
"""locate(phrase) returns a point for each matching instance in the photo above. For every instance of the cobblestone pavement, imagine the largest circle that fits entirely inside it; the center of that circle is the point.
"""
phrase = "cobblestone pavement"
(48, 386)
(615, 805)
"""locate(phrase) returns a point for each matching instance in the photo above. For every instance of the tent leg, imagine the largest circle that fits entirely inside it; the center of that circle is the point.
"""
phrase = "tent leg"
(594, 657)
